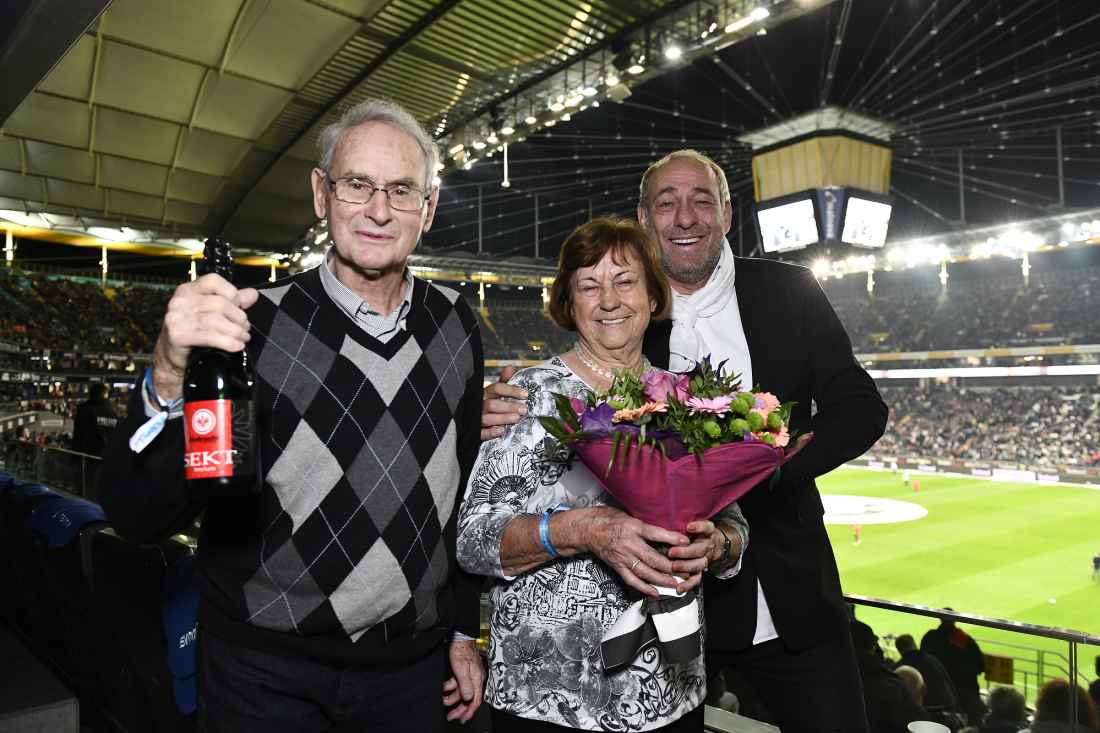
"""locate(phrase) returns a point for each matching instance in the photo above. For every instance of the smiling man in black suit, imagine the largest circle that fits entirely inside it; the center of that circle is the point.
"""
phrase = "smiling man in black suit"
(782, 620)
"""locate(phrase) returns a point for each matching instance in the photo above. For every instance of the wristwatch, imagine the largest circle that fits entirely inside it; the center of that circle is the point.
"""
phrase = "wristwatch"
(727, 546)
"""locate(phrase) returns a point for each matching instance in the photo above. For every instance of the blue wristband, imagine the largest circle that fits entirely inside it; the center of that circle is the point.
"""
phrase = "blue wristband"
(173, 408)
(544, 529)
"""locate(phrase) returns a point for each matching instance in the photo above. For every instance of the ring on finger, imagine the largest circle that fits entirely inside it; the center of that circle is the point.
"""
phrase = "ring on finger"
(635, 563)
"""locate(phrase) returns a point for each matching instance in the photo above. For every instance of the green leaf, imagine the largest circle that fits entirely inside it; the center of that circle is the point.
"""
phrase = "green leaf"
(615, 443)
(553, 426)
(626, 449)
(565, 410)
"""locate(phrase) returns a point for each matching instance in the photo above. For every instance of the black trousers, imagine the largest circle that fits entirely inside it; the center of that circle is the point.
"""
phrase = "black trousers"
(692, 722)
(817, 690)
(243, 690)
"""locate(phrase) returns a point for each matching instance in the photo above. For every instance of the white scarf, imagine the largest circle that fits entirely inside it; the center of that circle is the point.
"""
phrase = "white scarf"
(684, 345)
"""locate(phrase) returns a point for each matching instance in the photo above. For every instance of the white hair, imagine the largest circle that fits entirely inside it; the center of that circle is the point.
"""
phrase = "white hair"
(379, 110)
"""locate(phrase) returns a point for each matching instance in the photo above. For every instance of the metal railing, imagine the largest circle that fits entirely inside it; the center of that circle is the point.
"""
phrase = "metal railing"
(56, 467)
(1073, 639)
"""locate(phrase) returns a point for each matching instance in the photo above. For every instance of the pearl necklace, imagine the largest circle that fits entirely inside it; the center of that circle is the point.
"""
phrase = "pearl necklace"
(590, 361)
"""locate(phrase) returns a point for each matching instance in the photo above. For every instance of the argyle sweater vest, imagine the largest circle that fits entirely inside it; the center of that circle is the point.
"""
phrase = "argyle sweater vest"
(347, 553)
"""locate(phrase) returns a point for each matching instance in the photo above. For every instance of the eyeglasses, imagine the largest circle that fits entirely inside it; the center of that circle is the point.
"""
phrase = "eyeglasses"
(401, 196)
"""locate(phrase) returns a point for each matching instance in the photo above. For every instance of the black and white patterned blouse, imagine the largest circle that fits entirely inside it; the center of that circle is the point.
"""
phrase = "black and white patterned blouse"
(546, 624)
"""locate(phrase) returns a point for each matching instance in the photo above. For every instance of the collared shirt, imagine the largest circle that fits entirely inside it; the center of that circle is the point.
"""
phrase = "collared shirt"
(722, 335)
(359, 310)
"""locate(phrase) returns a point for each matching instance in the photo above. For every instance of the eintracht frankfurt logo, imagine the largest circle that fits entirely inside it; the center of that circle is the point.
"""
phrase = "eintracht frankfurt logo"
(203, 422)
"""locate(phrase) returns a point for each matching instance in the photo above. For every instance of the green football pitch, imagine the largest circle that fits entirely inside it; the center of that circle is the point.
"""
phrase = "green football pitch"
(988, 548)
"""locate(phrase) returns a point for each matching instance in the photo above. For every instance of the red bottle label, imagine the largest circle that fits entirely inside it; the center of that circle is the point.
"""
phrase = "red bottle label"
(208, 439)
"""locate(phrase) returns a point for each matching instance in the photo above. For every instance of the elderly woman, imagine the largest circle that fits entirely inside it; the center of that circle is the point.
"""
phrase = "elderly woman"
(564, 575)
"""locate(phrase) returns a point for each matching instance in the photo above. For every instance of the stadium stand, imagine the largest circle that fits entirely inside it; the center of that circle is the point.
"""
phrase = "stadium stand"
(1040, 425)
(909, 311)
(113, 620)
(61, 317)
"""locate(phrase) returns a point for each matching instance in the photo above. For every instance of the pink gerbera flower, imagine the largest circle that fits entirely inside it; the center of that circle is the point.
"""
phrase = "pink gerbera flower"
(633, 414)
(715, 405)
(765, 403)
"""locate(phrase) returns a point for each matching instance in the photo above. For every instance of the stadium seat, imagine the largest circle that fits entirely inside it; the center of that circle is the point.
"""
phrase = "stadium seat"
(58, 530)
(136, 687)
(17, 554)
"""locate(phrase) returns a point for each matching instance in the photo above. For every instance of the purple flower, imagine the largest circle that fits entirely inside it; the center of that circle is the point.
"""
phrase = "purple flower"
(597, 420)
(659, 384)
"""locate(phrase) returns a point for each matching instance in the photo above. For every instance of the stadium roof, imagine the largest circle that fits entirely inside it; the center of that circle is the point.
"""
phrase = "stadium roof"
(185, 119)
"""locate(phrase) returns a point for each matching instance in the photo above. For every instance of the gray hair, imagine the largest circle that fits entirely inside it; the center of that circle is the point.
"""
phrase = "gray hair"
(686, 154)
(379, 110)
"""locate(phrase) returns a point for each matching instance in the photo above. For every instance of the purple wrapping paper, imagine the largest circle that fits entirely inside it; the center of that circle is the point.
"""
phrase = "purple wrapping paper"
(672, 493)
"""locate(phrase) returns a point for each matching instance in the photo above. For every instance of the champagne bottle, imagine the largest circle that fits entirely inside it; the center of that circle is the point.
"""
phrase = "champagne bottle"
(221, 448)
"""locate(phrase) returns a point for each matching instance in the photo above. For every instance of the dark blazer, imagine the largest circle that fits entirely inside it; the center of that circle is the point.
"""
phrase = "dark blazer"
(800, 352)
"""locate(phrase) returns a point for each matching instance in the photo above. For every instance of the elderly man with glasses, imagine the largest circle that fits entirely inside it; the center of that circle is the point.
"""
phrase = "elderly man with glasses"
(331, 598)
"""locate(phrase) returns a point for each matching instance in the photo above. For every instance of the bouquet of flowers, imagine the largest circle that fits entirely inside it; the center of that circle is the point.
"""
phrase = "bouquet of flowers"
(674, 448)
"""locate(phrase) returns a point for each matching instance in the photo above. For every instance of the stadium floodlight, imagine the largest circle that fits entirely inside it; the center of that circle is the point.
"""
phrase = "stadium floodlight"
(123, 234)
(984, 250)
(860, 264)
(1015, 242)
(788, 224)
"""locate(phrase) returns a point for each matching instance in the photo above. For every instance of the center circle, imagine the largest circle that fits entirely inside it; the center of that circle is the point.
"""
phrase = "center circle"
(846, 509)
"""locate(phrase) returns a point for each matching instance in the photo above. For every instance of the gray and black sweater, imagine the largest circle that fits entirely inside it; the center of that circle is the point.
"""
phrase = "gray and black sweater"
(347, 554)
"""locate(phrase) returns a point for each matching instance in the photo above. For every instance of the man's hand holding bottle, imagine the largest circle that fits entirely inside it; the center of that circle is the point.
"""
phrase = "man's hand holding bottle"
(207, 312)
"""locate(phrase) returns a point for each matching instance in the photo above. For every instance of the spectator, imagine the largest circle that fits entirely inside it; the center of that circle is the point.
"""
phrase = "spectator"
(1094, 688)
(95, 421)
(1007, 711)
(941, 692)
(914, 682)
(963, 660)
(1052, 710)
(890, 704)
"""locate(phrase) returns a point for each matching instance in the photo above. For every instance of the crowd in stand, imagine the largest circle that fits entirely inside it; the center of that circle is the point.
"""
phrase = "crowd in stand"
(1033, 425)
(910, 314)
(904, 314)
(54, 312)
(1041, 426)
